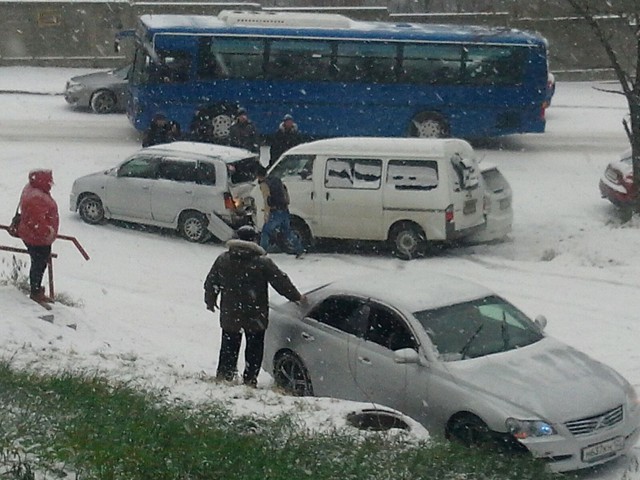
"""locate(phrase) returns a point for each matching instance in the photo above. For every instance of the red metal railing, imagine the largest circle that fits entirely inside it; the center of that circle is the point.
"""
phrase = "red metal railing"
(74, 240)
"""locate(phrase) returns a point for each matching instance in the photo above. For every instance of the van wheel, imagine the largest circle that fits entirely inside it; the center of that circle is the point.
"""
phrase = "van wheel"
(429, 125)
(193, 227)
(301, 229)
(408, 241)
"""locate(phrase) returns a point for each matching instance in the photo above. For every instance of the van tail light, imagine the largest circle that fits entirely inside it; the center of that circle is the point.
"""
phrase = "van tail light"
(448, 214)
(229, 203)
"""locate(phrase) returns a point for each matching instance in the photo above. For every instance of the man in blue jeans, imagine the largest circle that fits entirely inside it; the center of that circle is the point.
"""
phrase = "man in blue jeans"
(276, 201)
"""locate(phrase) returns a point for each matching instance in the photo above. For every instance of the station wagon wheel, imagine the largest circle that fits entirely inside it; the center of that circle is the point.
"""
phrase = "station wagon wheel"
(429, 125)
(290, 374)
(193, 227)
(103, 101)
(468, 430)
(91, 209)
(407, 241)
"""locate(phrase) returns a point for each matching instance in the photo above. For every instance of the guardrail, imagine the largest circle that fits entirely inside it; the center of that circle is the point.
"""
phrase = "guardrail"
(74, 240)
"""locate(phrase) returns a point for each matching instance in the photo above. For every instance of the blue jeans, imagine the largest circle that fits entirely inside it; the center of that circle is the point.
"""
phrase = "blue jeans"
(279, 219)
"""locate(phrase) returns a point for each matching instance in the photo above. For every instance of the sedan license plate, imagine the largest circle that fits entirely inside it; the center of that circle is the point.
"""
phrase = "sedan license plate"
(602, 450)
(469, 207)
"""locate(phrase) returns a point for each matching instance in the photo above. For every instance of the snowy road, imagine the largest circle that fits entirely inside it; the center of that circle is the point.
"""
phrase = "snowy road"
(568, 257)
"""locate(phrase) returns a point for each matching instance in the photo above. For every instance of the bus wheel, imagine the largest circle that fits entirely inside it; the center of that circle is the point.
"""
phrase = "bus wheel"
(220, 124)
(407, 241)
(429, 125)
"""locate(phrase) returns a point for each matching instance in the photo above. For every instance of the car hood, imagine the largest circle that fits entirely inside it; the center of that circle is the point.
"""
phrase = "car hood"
(98, 78)
(93, 179)
(547, 380)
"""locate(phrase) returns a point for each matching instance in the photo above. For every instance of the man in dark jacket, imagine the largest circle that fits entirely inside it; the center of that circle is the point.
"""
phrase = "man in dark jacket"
(242, 276)
(161, 130)
(276, 201)
(242, 132)
(286, 137)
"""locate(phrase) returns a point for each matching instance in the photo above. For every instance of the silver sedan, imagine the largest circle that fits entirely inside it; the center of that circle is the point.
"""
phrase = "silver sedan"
(102, 92)
(459, 359)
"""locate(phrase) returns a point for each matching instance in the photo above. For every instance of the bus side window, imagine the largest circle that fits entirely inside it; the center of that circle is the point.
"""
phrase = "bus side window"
(174, 68)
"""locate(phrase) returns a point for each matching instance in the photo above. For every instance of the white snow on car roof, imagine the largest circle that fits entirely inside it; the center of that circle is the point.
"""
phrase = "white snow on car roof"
(383, 146)
(224, 153)
(412, 291)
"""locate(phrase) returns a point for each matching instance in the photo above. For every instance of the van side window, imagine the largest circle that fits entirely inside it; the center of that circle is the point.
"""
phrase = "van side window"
(206, 173)
(413, 174)
(297, 166)
(357, 173)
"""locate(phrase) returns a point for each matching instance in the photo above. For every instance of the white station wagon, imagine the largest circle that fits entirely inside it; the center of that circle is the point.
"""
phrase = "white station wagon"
(194, 188)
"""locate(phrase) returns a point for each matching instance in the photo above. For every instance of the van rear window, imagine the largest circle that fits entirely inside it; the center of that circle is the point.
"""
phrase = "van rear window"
(412, 174)
(243, 171)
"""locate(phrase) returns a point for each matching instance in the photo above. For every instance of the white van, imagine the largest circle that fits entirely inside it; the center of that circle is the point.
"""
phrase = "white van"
(407, 191)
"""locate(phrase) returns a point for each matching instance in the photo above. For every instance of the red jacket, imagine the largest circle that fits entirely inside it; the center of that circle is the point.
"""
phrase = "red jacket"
(39, 221)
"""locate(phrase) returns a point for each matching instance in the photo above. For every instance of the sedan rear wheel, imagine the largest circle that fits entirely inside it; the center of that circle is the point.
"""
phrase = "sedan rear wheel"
(91, 209)
(291, 375)
(193, 227)
(103, 101)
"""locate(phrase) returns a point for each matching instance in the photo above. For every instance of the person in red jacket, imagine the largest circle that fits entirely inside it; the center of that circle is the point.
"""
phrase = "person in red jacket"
(38, 227)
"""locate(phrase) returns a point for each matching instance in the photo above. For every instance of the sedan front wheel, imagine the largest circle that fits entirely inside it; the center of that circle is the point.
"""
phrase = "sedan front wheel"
(91, 209)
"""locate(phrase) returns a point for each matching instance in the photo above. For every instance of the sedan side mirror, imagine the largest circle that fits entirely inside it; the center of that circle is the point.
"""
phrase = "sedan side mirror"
(406, 355)
(541, 322)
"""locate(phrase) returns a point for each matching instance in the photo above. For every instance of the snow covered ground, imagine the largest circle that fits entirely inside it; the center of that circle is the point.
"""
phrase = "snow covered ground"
(140, 313)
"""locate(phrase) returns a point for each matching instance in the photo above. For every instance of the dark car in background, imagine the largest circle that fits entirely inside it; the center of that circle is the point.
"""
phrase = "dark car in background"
(102, 92)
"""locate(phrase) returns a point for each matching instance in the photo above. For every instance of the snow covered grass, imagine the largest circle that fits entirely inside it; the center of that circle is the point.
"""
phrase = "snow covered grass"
(78, 424)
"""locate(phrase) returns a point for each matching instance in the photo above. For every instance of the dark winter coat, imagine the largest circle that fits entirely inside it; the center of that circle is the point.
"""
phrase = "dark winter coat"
(244, 135)
(241, 276)
(278, 197)
(157, 134)
(39, 219)
(283, 140)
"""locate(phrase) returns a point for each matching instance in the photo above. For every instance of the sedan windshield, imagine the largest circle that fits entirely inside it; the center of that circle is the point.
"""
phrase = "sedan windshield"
(477, 328)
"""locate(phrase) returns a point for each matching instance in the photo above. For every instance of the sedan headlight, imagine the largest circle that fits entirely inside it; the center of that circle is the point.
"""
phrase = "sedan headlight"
(74, 87)
(632, 396)
(522, 429)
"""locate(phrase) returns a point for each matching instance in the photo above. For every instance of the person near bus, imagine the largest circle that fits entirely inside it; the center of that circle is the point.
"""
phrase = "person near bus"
(38, 228)
(286, 136)
(243, 133)
(276, 201)
(160, 130)
(241, 276)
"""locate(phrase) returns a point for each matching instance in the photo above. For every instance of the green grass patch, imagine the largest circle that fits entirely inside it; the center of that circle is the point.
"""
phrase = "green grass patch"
(83, 425)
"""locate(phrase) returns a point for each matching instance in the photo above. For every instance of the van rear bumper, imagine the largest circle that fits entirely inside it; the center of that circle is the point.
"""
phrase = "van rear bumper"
(453, 234)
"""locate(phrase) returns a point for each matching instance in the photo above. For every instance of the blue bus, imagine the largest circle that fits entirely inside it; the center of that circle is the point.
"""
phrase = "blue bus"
(337, 76)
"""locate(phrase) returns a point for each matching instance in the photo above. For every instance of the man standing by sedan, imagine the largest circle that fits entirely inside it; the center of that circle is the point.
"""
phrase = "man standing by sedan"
(241, 276)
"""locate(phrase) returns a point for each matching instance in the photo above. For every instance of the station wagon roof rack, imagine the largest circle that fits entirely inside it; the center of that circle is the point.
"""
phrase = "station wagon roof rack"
(284, 19)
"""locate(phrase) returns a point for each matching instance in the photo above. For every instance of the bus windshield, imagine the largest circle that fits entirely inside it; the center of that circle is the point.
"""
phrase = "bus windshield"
(336, 76)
